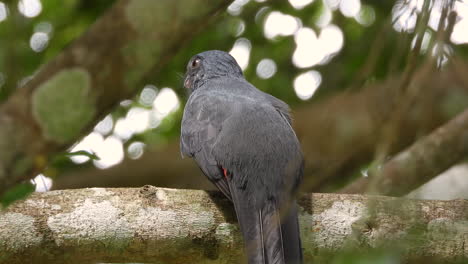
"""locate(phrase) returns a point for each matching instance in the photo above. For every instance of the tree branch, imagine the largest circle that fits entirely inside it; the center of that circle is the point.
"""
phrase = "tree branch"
(421, 162)
(86, 80)
(152, 224)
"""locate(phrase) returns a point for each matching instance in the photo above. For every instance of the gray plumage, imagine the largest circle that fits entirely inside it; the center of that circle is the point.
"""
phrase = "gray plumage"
(229, 125)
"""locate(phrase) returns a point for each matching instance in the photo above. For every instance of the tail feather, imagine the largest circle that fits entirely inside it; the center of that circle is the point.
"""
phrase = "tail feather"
(270, 236)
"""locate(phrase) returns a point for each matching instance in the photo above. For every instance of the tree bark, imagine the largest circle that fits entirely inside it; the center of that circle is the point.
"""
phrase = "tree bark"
(421, 162)
(152, 224)
(73, 91)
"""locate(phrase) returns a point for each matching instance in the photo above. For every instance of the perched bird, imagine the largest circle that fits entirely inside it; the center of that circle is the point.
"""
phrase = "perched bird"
(242, 140)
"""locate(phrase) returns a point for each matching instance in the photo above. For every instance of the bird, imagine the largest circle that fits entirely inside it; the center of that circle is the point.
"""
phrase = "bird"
(243, 141)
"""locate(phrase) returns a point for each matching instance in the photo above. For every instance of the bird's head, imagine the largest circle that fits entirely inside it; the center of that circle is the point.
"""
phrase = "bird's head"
(208, 65)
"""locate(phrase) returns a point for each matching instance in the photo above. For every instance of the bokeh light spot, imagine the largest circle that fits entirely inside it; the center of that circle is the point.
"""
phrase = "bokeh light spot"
(366, 16)
(312, 50)
(148, 94)
(332, 4)
(43, 183)
(350, 8)
(279, 24)
(105, 126)
(235, 8)
(30, 8)
(306, 84)
(324, 18)
(459, 34)
(136, 150)
(39, 41)
(266, 68)
(299, 4)
(404, 16)
(87, 144)
(240, 28)
(241, 52)
(3, 11)
(166, 101)
(110, 152)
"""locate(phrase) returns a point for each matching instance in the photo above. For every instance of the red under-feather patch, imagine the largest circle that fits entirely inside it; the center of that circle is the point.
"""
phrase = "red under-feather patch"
(225, 173)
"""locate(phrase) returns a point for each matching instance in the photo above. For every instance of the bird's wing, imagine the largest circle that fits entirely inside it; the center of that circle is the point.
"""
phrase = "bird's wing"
(201, 125)
(280, 106)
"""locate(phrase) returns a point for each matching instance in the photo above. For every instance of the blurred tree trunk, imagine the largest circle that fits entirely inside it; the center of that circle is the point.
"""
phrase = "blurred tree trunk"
(73, 91)
(185, 226)
(338, 134)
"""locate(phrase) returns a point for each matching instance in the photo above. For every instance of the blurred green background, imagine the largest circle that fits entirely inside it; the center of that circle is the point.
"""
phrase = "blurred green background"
(325, 58)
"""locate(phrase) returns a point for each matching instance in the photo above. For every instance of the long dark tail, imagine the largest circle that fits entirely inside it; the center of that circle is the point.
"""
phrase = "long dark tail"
(270, 236)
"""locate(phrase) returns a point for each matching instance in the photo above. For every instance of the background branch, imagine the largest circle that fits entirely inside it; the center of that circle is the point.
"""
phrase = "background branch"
(90, 77)
(421, 162)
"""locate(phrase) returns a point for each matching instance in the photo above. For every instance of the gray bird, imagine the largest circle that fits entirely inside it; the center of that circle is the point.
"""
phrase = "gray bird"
(242, 140)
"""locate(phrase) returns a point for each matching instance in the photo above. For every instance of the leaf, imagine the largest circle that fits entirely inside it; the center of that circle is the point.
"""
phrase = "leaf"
(18, 192)
(90, 155)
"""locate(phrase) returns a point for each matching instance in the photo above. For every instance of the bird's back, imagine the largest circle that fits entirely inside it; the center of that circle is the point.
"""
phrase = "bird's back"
(262, 145)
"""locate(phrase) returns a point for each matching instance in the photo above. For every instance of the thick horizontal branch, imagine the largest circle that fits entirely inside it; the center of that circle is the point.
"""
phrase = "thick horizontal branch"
(425, 159)
(186, 226)
(73, 91)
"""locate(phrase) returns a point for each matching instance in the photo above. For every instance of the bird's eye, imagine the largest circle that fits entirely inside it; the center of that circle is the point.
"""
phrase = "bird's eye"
(196, 63)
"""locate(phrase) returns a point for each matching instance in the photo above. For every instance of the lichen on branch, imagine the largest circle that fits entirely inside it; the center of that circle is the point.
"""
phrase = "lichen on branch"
(152, 224)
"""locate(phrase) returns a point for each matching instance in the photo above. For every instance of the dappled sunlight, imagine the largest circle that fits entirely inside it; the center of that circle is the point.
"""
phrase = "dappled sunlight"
(405, 15)
(86, 144)
(236, 7)
(306, 54)
(279, 24)
(136, 149)
(39, 41)
(366, 16)
(425, 41)
(3, 11)
(105, 126)
(350, 8)
(332, 4)
(312, 50)
(166, 101)
(30, 8)
(460, 30)
(266, 68)
(306, 84)
(41, 36)
(136, 121)
(42, 183)
(325, 18)
(241, 52)
(317, 39)
(240, 28)
(110, 152)
(299, 4)
(147, 95)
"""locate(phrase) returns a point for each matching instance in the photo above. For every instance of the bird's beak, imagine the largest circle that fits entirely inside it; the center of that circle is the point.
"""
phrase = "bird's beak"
(187, 82)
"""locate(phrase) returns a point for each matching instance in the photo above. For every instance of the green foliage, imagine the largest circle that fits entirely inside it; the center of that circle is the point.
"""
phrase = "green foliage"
(20, 191)
(66, 92)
